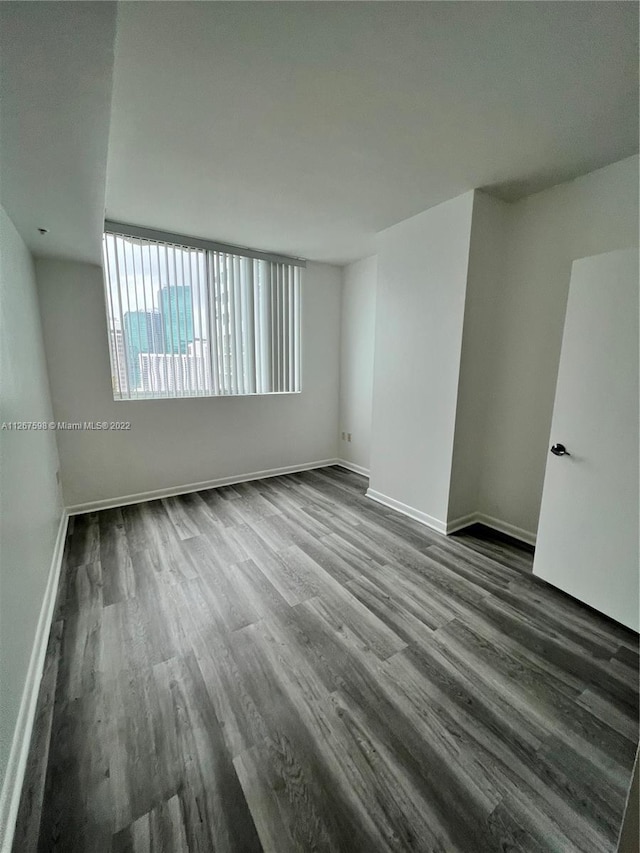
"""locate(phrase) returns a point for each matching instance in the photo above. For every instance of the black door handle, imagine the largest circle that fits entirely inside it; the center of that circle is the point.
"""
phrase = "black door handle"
(560, 450)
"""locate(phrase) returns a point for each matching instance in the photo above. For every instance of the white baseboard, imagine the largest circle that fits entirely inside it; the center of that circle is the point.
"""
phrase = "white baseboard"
(505, 527)
(456, 523)
(405, 509)
(351, 466)
(16, 765)
(461, 522)
(494, 524)
(141, 497)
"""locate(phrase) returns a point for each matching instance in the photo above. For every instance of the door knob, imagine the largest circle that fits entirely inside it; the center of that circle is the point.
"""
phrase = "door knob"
(560, 450)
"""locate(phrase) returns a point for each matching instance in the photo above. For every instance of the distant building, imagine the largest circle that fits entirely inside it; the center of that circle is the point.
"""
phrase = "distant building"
(119, 377)
(143, 334)
(177, 318)
(177, 373)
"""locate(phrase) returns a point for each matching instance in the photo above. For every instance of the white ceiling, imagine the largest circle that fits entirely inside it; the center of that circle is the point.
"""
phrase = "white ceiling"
(300, 127)
(304, 128)
(56, 64)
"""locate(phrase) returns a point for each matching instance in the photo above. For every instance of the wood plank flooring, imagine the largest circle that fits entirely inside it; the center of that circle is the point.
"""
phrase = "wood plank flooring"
(283, 665)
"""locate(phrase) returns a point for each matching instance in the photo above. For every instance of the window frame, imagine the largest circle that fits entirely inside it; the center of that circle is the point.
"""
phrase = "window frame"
(180, 241)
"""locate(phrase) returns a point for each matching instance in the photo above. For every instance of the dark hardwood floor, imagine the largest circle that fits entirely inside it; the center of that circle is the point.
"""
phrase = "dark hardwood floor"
(284, 665)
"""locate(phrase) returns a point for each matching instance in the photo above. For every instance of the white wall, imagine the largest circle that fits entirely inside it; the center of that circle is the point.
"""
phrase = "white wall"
(173, 443)
(485, 285)
(422, 276)
(357, 333)
(30, 502)
(546, 232)
(514, 296)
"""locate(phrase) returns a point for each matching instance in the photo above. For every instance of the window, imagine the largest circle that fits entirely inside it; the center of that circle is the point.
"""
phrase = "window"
(188, 318)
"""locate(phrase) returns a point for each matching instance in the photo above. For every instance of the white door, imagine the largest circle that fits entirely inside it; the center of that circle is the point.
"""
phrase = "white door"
(587, 542)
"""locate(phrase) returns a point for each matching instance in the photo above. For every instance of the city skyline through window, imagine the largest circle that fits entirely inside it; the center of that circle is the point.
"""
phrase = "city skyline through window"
(187, 321)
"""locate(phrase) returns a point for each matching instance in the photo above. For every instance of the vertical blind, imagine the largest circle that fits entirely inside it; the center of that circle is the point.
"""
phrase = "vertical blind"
(192, 321)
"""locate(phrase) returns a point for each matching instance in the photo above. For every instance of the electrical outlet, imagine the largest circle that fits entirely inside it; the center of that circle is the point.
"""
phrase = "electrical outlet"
(344, 435)
(348, 436)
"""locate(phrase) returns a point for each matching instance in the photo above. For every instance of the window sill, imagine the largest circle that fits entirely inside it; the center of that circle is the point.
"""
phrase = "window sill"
(164, 398)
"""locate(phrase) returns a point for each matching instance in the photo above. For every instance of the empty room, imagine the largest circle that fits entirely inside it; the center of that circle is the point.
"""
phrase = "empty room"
(319, 428)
